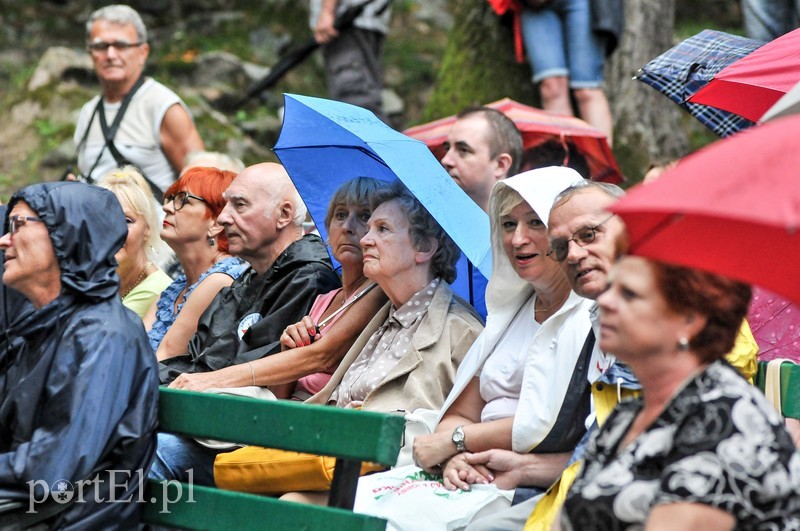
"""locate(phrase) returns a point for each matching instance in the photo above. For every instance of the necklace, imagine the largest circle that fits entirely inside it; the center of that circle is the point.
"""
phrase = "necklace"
(138, 280)
(559, 303)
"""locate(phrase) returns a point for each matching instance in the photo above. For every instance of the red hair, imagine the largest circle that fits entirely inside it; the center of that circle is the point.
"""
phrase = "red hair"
(722, 301)
(208, 183)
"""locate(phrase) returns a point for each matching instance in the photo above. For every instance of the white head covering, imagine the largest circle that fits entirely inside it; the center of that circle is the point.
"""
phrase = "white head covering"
(506, 292)
(539, 189)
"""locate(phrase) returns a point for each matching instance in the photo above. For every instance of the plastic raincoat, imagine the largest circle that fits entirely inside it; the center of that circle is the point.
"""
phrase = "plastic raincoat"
(78, 379)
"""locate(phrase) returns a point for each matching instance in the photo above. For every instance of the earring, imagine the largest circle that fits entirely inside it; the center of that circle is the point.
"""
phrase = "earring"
(211, 241)
(683, 344)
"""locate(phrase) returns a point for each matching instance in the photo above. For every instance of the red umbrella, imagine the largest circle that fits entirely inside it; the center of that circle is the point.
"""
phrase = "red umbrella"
(732, 208)
(775, 323)
(751, 85)
(536, 126)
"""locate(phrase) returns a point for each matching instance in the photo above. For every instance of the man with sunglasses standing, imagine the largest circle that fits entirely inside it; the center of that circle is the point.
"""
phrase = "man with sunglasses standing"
(136, 119)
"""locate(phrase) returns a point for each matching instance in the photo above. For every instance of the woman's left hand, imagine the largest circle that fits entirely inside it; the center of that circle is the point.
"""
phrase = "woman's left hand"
(459, 474)
(432, 450)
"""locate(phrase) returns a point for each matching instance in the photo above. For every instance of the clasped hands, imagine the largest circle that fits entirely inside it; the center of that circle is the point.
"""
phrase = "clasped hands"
(436, 453)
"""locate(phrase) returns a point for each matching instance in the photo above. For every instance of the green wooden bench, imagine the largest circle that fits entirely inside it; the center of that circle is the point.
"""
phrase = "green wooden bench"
(790, 387)
(350, 436)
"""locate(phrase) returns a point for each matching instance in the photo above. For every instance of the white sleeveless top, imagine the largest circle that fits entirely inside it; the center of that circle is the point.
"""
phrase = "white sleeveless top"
(138, 138)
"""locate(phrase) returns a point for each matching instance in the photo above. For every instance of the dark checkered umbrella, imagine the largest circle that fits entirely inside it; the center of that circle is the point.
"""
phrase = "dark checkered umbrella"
(685, 68)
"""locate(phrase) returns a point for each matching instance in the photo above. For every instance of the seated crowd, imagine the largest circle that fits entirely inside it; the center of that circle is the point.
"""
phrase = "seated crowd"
(606, 391)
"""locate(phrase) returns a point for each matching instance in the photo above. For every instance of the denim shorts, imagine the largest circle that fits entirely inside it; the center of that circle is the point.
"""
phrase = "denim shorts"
(559, 42)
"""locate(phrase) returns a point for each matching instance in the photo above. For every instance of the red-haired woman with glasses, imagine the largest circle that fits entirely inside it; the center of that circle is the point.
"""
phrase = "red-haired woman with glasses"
(190, 228)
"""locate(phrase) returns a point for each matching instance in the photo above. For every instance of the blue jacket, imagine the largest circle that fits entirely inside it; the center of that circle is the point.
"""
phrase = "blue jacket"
(78, 382)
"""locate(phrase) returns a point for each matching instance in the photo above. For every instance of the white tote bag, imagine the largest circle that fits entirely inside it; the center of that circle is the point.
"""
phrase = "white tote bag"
(411, 500)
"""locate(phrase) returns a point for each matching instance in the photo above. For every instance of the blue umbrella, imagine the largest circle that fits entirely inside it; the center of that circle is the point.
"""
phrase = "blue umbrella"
(688, 66)
(324, 143)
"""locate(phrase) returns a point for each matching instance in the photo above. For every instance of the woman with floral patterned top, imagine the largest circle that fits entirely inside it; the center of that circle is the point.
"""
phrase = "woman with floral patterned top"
(702, 449)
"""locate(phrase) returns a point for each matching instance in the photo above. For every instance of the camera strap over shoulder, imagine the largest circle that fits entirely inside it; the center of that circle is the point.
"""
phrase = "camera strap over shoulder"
(110, 131)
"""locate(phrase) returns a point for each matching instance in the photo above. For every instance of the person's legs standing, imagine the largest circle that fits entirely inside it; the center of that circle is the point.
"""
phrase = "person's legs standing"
(586, 56)
(353, 68)
(544, 45)
(765, 20)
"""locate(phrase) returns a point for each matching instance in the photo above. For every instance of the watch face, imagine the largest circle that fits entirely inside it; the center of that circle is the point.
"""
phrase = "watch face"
(458, 439)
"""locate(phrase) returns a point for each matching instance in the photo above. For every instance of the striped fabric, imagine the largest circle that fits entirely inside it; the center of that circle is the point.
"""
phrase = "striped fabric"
(685, 68)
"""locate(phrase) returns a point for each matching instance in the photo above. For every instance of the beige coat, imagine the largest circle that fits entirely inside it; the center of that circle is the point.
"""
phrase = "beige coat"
(423, 377)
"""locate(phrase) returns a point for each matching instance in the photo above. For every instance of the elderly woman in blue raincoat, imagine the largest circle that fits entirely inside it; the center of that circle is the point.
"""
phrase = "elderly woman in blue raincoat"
(78, 382)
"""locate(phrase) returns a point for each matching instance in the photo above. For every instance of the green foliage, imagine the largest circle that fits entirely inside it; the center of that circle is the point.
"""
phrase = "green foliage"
(474, 75)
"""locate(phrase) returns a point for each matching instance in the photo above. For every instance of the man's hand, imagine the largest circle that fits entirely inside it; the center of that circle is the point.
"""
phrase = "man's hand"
(458, 473)
(505, 464)
(324, 32)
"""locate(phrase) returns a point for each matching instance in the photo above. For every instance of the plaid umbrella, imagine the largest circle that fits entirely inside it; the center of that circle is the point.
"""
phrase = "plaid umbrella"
(687, 67)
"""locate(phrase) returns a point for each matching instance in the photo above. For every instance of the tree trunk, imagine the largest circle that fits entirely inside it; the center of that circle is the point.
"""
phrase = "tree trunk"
(479, 67)
(647, 125)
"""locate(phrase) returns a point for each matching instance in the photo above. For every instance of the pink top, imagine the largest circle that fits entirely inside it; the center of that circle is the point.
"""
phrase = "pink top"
(313, 383)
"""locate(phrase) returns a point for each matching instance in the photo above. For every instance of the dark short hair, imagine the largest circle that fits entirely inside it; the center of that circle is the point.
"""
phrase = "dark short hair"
(722, 301)
(504, 136)
(357, 191)
(555, 153)
(423, 229)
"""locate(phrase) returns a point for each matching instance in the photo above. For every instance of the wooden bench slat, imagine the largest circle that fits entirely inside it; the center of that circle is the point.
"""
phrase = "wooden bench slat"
(221, 510)
(790, 387)
(349, 434)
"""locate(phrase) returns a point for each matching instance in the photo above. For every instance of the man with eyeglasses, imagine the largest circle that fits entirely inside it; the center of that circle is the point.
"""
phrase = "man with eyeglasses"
(586, 239)
(78, 380)
(136, 119)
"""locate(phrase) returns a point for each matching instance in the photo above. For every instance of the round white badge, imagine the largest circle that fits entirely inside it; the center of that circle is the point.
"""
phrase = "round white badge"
(246, 322)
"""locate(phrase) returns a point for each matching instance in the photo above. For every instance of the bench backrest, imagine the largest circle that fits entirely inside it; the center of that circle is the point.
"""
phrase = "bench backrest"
(789, 386)
(349, 435)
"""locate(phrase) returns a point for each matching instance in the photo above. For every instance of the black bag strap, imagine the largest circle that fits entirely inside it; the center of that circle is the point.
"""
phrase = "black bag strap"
(99, 109)
(110, 131)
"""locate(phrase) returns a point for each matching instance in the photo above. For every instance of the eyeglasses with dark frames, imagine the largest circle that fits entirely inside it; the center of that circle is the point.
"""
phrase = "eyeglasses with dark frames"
(559, 247)
(180, 199)
(102, 46)
(15, 222)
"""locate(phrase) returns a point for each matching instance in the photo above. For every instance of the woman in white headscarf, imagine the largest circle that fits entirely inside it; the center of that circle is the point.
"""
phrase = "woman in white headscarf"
(532, 346)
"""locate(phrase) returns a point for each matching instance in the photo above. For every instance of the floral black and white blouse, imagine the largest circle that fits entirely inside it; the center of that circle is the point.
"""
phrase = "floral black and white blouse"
(718, 443)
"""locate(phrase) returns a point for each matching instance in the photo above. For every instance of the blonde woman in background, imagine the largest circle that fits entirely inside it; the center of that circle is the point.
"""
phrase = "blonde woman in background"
(141, 280)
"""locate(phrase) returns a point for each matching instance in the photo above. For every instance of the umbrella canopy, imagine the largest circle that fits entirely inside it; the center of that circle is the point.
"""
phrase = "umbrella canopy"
(537, 126)
(788, 104)
(750, 86)
(775, 323)
(325, 143)
(732, 208)
(688, 66)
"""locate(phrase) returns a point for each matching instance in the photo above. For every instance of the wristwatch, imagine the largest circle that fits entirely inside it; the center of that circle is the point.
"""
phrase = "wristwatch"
(458, 439)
